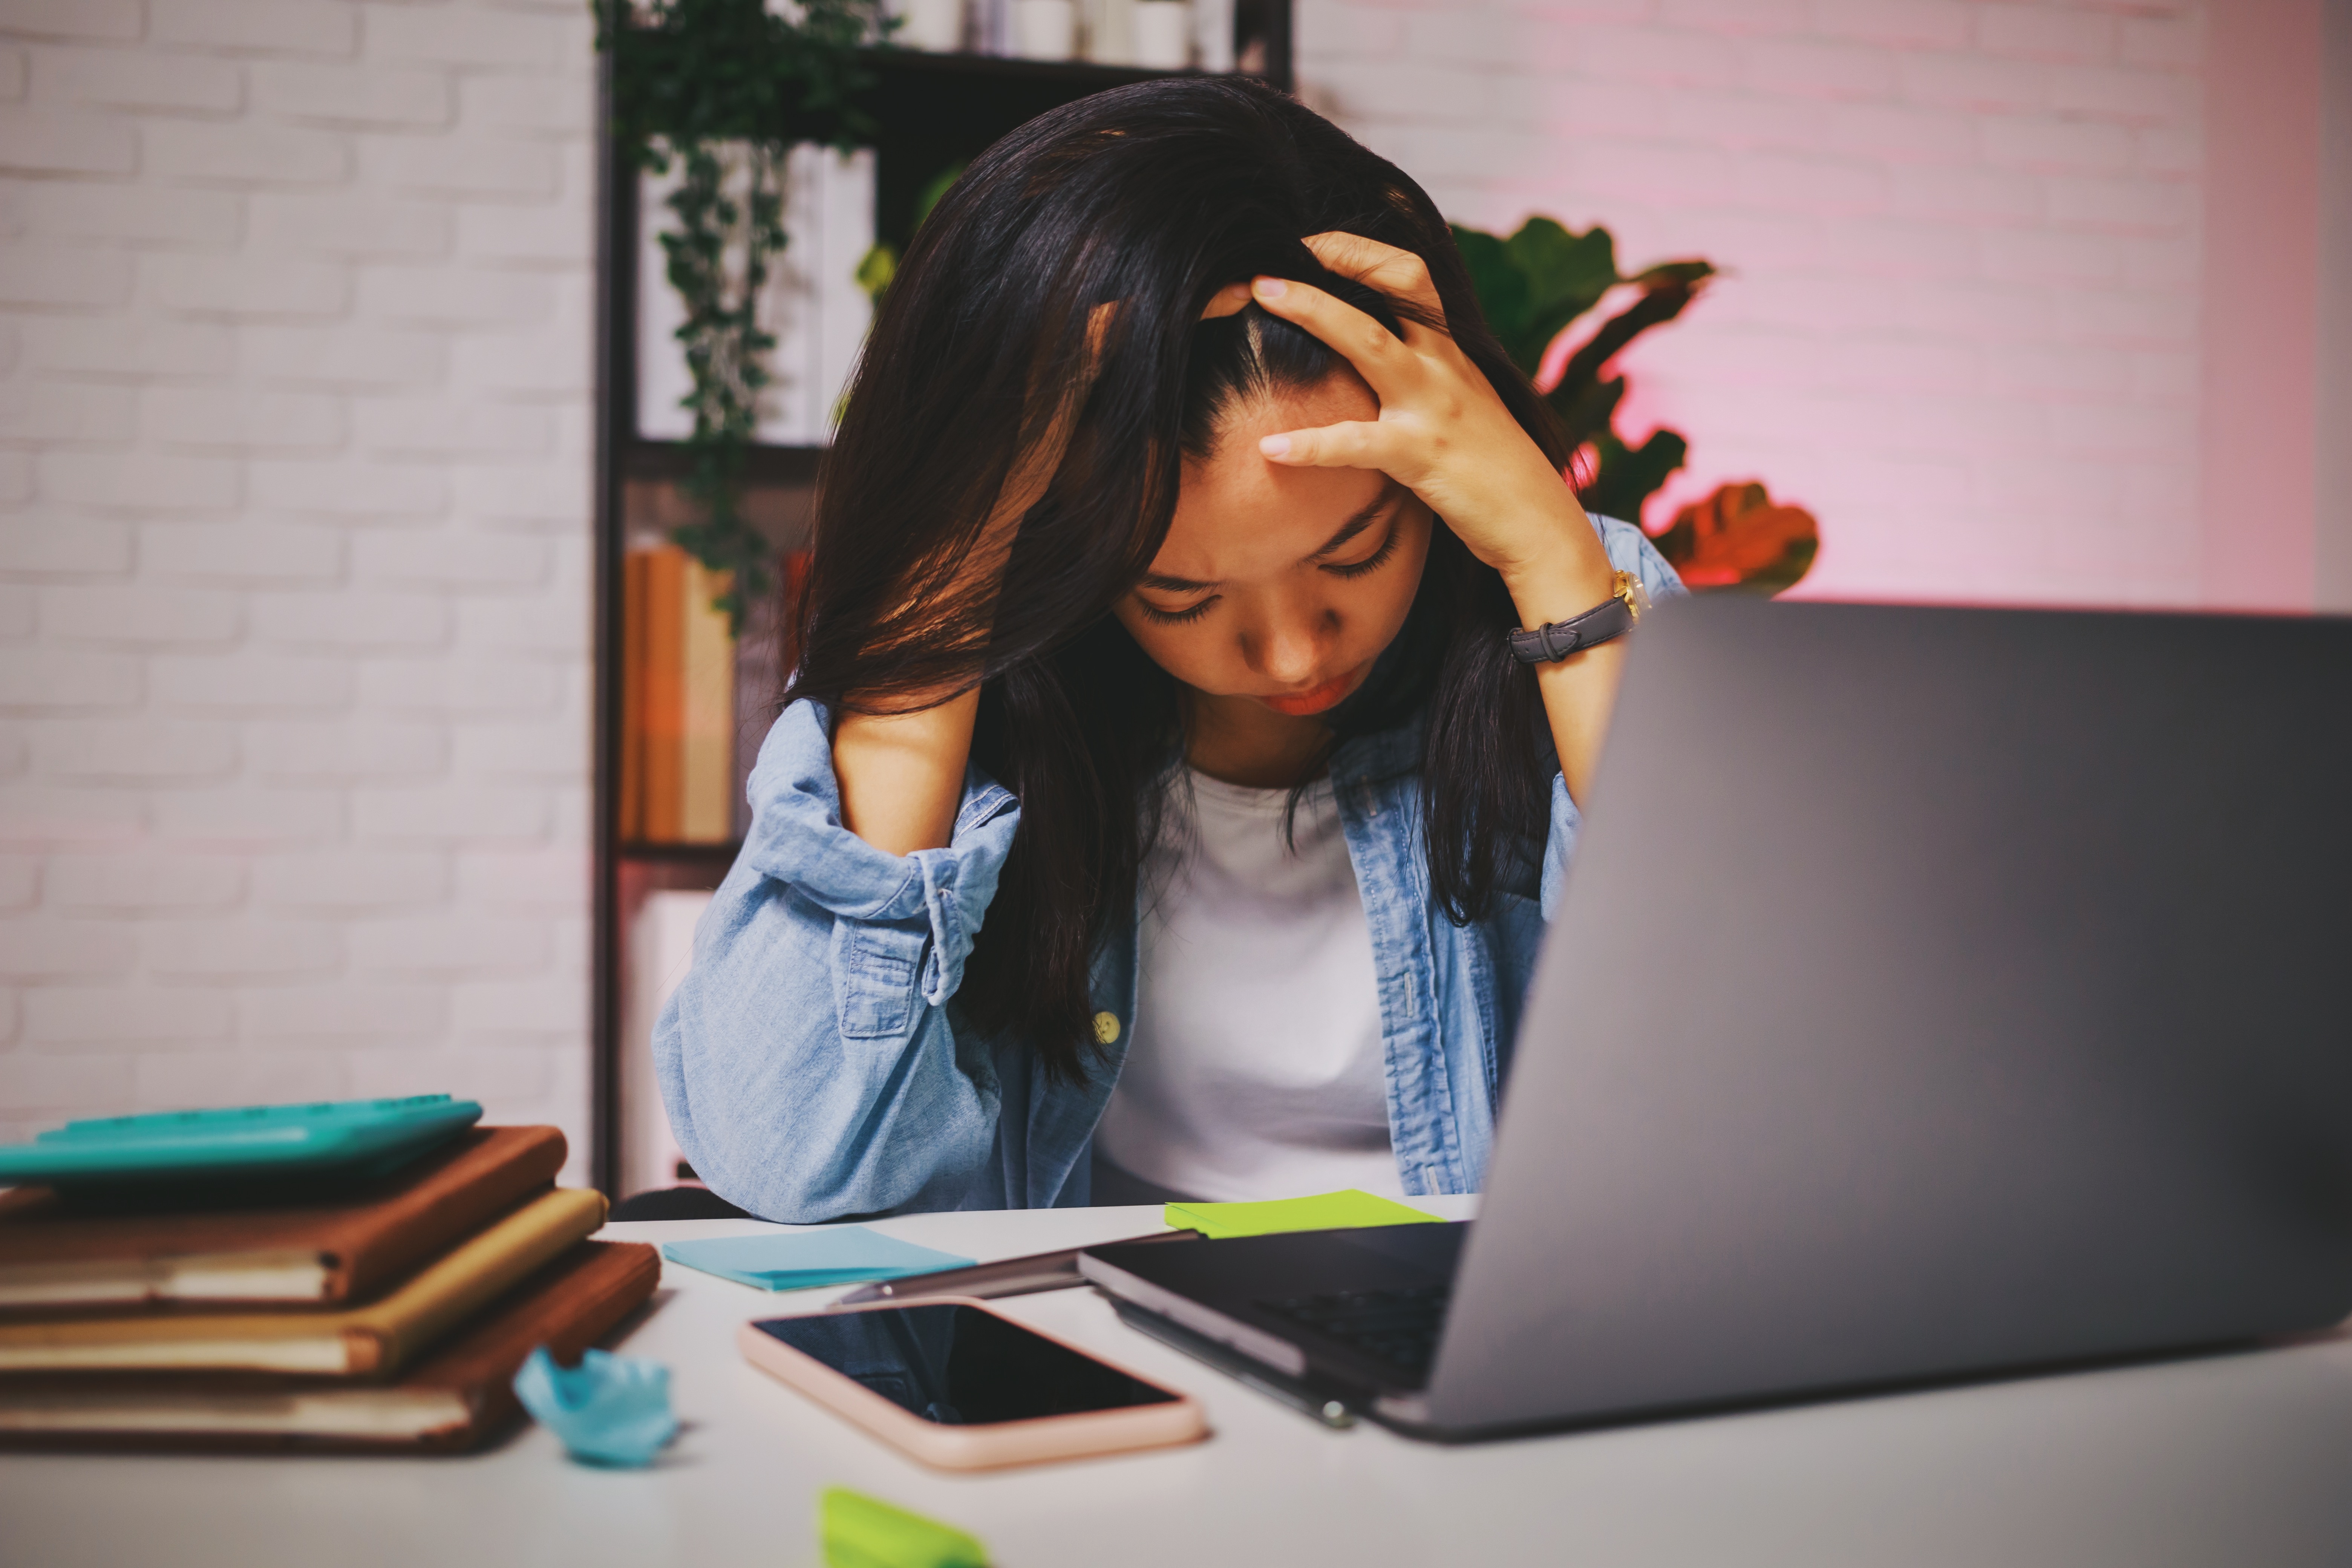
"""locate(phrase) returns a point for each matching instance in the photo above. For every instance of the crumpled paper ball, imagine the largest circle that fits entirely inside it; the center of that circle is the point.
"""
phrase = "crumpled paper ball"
(608, 1410)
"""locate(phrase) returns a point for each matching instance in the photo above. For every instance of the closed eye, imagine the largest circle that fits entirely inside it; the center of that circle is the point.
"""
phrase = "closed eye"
(1185, 617)
(1370, 563)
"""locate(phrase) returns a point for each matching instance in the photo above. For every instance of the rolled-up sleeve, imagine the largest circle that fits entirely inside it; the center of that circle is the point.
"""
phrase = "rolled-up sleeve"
(1630, 550)
(930, 903)
(806, 1060)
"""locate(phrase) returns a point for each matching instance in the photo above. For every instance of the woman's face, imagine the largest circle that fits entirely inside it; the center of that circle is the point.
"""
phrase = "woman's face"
(1280, 586)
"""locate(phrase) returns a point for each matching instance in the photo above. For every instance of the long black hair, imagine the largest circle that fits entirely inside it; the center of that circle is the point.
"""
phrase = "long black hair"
(1148, 198)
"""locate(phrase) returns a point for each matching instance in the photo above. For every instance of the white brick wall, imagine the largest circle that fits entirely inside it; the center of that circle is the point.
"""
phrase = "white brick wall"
(294, 352)
(1964, 243)
(294, 552)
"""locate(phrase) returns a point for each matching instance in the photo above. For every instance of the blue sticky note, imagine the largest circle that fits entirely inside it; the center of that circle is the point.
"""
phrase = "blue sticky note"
(608, 1410)
(803, 1261)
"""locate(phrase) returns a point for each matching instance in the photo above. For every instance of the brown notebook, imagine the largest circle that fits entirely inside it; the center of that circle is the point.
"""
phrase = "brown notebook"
(370, 1341)
(56, 1256)
(455, 1401)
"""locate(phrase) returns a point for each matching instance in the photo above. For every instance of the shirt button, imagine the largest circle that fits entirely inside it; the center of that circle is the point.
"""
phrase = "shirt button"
(1106, 1029)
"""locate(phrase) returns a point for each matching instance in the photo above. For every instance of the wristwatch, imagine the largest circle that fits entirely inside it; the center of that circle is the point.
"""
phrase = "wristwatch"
(1612, 618)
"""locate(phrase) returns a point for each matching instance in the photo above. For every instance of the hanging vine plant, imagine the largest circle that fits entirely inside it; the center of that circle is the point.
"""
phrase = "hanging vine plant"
(718, 91)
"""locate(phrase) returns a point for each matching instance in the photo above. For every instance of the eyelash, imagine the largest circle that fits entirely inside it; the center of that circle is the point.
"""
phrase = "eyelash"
(1372, 562)
(1176, 617)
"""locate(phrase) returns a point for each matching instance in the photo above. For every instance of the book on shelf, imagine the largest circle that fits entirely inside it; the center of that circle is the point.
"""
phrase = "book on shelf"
(455, 1399)
(677, 702)
(66, 1251)
(373, 1340)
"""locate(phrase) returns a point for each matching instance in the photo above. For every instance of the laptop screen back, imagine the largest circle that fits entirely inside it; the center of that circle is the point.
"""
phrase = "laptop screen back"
(1934, 991)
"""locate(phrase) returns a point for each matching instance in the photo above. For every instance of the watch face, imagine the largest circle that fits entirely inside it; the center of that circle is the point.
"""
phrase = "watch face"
(1636, 597)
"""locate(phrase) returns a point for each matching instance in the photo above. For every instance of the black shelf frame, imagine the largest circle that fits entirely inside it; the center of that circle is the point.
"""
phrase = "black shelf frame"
(935, 109)
(718, 852)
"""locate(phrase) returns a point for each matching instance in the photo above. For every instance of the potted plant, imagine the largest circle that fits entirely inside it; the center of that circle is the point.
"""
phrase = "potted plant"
(1541, 289)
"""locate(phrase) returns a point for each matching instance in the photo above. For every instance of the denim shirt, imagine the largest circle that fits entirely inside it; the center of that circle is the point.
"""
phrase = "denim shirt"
(811, 1068)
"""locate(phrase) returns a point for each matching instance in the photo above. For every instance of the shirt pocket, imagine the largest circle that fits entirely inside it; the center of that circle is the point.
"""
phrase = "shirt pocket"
(874, 969)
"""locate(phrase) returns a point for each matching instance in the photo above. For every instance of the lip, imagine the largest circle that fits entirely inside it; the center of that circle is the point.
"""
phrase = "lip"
(1330, 694)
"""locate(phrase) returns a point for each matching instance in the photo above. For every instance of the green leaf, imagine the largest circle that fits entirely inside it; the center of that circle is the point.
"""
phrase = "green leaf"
(1564, 270)
(1586, 407)
(928, 196)
(876, 268)
(880, 265)
(1689, 274)
(1624, 476)
(1654, 308)
(1504, 298)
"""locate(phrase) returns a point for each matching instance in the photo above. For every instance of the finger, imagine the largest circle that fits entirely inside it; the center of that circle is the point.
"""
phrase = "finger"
(1386, 364)
(1399, 274)
(1350, 444)
(1227, 301)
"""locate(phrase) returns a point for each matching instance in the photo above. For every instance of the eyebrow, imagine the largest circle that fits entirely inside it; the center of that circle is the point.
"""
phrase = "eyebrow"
(1363, 518)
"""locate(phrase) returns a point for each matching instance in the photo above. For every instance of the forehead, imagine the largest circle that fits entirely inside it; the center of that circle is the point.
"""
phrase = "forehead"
(1239, 516)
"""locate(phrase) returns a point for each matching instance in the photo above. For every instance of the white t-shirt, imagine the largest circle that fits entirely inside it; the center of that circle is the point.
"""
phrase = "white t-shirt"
(1256, 1068)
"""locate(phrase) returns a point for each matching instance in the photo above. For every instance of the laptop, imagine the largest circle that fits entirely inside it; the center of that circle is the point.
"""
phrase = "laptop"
(1936, 993)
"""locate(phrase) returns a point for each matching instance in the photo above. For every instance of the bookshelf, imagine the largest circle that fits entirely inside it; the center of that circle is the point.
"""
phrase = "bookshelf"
(935, 110)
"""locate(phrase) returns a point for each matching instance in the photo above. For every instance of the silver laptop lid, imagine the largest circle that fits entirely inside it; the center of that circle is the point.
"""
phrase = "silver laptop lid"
(1934, 991)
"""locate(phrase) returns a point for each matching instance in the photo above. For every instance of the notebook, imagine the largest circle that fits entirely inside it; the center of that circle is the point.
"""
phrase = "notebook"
(806, 1259)
(457, 1399)
(60, 1253)
(371, 1341)
(353, 1137)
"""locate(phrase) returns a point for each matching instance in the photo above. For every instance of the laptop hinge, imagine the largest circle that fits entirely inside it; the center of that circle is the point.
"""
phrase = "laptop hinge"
(1334, 1405)
(1255, 1343)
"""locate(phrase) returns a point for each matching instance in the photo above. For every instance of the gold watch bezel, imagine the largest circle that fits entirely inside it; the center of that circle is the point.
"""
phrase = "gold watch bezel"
(1636, 598)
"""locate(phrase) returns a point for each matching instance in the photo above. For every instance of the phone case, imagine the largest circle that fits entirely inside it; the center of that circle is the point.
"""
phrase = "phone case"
(993, 1446)
(250, 1141)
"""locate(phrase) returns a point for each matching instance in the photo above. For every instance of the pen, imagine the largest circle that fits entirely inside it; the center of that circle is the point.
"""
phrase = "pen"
(1007, 1277)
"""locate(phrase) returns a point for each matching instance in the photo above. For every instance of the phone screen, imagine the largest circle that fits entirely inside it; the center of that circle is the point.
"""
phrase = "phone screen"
(960, 1366)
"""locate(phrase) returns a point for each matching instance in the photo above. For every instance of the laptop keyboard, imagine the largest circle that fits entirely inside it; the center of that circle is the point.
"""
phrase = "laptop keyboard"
(1399, 1326)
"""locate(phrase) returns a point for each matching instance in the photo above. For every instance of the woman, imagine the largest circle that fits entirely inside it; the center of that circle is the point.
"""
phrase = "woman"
(1160, 803)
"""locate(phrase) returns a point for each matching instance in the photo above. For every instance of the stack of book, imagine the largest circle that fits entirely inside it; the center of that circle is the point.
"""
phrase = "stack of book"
(389, 1315)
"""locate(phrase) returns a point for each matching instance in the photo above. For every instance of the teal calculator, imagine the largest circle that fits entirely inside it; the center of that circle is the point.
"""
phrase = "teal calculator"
(337, 1138)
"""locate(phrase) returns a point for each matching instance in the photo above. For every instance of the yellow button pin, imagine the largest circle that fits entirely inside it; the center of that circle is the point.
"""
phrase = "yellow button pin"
(1106, 1029)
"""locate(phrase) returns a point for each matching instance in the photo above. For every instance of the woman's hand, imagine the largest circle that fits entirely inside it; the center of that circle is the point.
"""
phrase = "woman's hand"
(1446, 434)
(1443, 432)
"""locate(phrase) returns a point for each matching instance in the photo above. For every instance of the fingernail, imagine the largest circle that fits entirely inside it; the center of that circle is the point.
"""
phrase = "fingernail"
(1274, 445)
(1269, 287)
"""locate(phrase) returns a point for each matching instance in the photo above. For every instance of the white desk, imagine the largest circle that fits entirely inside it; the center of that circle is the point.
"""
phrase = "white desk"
(2239, 1459)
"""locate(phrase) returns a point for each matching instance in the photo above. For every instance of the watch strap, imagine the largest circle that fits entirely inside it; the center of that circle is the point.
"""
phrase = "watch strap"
(1554, 640)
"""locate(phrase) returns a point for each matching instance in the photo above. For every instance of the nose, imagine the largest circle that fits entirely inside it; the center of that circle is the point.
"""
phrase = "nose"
(1287, 646)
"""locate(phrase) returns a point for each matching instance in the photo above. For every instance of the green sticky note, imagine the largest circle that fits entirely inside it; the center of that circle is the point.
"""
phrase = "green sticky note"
(860, 1531)
(1350, 1210)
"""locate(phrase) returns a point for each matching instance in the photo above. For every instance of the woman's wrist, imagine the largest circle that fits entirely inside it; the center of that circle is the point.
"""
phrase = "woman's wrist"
(1563, 582)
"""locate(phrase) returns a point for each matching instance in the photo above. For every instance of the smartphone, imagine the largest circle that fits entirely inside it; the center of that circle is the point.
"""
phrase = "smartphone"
(958, 1386)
